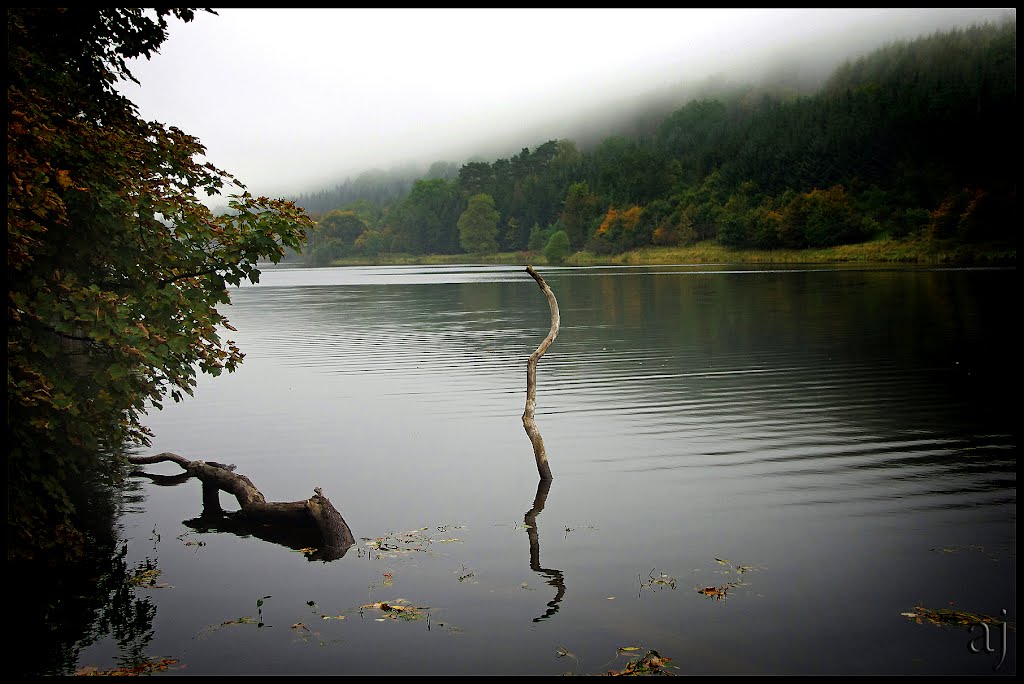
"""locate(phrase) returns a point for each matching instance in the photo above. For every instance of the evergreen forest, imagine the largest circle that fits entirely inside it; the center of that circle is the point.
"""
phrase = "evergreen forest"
(912, 141)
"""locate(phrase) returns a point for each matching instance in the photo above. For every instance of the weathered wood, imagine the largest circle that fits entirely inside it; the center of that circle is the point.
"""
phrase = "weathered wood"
(317, 512)
(333, 528)
(531, 379)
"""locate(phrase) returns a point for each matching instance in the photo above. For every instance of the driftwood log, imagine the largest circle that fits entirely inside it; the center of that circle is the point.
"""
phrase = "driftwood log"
(531, 379)
(313, 525)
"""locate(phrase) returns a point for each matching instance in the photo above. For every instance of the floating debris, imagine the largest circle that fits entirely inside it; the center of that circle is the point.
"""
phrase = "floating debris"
(395, 609)
(653, 663)
(947, 617)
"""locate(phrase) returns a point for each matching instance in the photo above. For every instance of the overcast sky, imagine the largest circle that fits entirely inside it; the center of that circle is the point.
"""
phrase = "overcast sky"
(295, 100)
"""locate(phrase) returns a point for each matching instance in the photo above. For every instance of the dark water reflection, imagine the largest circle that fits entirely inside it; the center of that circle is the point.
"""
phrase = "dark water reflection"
(845, 433)
(553, 577)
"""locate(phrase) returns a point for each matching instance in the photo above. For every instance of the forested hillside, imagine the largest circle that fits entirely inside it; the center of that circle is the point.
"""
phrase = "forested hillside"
(913, 140)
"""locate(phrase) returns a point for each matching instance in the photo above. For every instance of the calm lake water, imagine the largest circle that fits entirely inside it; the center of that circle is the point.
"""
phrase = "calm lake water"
(829, 447)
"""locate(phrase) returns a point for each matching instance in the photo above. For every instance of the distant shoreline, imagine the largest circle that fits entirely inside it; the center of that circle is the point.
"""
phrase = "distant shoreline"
(880, 251)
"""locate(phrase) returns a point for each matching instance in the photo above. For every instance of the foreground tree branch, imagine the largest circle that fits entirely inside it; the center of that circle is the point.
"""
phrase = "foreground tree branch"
(110, 245)
(287, 523)
(531, 379)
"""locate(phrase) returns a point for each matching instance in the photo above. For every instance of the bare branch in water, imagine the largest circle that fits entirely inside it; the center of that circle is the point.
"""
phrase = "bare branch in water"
(531, 379)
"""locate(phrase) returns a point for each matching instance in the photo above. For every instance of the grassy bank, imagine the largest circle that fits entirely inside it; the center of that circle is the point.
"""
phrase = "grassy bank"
(879, 251)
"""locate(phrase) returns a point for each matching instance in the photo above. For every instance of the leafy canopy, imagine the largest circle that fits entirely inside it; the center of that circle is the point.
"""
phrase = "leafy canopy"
(557, 248)
(115, 266)
(478, 225)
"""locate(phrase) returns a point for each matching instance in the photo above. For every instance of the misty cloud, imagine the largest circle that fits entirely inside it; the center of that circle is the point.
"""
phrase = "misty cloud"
(293, 100)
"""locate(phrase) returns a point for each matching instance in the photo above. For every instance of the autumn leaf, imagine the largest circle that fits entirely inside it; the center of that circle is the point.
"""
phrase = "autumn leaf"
(64, 179)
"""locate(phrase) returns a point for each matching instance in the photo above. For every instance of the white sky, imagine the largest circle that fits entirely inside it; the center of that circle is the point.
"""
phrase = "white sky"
(295, 100)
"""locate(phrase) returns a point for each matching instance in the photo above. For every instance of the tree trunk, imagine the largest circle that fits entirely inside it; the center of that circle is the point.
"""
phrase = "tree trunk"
(287, 523)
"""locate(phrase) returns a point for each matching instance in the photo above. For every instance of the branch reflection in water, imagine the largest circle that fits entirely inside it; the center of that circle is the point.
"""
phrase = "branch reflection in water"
(553, 577)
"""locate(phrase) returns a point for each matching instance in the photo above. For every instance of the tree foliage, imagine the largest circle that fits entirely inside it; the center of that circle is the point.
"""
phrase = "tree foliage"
(618, 231)
(911, 140)
(580, 210)
(478, 225)
(116, 268)
(557, 248)
(425, 221)
(336, 235)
